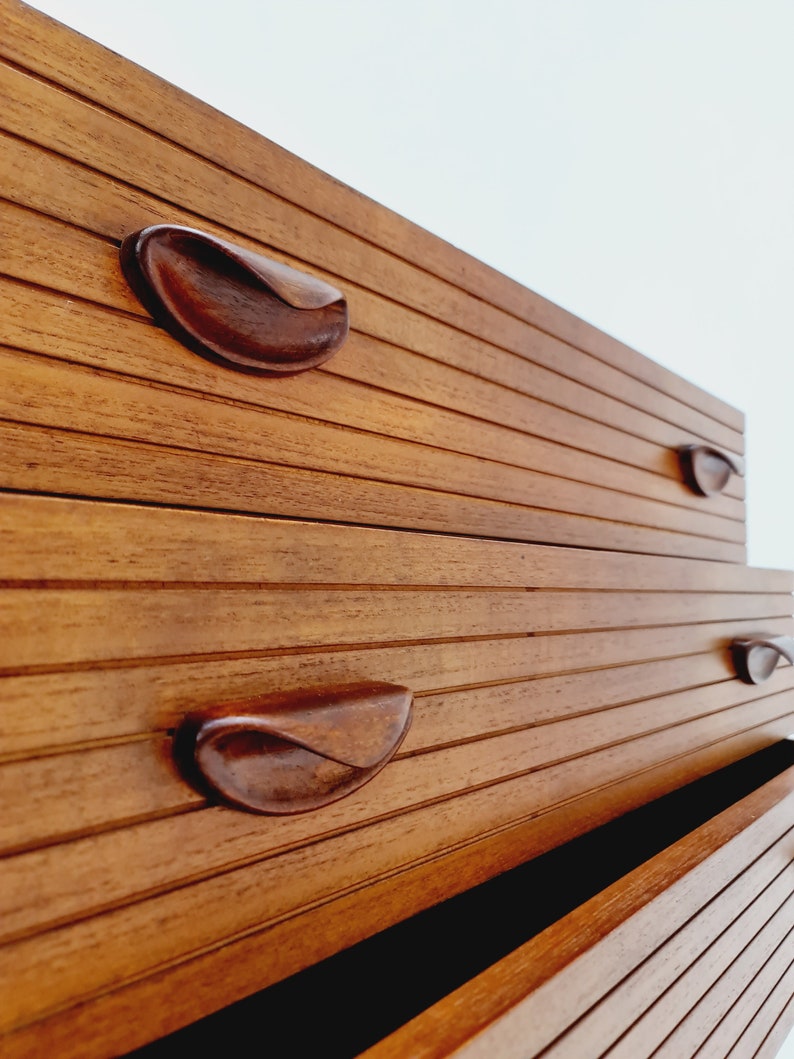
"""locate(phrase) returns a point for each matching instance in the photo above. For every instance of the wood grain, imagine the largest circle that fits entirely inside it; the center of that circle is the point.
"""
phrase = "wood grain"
(458, 793)
(618, 1013)
(518, 1003)
(515, 727)
(54, 394)
(57, 708)
(38, 43)
(770, 1024)
(543, 390)
(80, 540)
(678, 1013)
(238, 968)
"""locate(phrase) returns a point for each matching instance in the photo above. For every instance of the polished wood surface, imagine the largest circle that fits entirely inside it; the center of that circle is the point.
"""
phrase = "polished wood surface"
(235, 307)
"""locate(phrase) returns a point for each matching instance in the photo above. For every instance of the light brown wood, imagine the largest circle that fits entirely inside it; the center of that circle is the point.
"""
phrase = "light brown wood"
(81, 540)
(40, 44)
(100, 281)
(777, 1012)
(517, 1007)
(515, 727)
(704, 1018)
(679, 1013)
(60, 395)
(238, 968)
(79, 625)
(114, 867)
(752, 999)
(56, 708)
(618, 1013)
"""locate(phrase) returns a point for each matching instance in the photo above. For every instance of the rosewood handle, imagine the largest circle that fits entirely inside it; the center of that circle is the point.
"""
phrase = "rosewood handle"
(291, 752)
(235, 307)
(706, 470)
(755, 657)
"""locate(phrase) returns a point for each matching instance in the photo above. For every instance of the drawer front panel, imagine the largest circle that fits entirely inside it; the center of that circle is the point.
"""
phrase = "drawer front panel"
(554, 689)
(36, 43)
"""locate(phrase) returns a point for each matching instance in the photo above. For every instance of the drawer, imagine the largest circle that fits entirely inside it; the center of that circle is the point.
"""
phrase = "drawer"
(689, 953)
(444, 411)
(555, 689)
(676, 919)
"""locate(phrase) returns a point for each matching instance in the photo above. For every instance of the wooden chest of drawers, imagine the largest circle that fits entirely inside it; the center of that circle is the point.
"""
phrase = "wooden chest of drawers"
(479, 498)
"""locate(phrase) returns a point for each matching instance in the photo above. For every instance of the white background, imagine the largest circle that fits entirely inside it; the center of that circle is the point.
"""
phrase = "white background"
(632, 160)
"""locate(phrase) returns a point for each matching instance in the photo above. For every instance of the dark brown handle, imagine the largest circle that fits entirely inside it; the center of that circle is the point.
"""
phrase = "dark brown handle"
(755, 657)
(707, 470)
(231, 305)
(291, 752)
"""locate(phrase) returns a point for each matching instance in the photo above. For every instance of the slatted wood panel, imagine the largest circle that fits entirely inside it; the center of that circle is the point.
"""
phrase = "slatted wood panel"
(728, 882)
(38, 44)
(622, 690)
(455, 414)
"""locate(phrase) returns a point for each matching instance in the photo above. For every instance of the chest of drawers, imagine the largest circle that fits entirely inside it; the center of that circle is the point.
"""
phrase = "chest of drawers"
(478, 498)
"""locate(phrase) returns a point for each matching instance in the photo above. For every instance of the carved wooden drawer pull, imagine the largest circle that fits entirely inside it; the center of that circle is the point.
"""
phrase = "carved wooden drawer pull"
(708, 470)
(232, 305)
(756, 657)
(287, 753)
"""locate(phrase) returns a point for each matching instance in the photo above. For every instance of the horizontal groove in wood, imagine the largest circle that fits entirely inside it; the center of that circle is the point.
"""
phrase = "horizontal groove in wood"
(58, 708)
(752, 998)
(83, 540)
(79, 878)
(684, 998)
(704, 1017)
(61, 626)
(517, 727)
(620, 1010)
(525, 393)
(64, 462)
(512, 1006)
(539, 436)
(238, 968)
(50, 393)
(772, 1021)
(40, 111)
(164, 109)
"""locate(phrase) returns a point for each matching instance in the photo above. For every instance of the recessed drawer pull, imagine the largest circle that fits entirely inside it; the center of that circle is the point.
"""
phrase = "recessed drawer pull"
(291, 752)
(755, 658)
(232, 305)
(708, 470)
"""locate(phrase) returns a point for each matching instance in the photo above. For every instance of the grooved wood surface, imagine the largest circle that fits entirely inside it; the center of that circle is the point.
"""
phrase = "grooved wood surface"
(478, 497)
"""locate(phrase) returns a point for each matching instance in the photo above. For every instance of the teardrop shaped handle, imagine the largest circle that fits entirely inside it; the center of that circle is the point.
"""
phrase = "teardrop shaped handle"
(291, 752)
(755, 657)
(231, 305)
(707, 470)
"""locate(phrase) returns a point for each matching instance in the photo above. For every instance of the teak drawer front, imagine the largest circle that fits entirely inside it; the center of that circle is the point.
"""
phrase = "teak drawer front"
(554, 690)
(444, 411)
(686, 954)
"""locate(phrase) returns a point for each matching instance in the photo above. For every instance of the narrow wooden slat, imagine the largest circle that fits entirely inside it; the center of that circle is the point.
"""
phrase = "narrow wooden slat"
(105, 541)
(44, 321)
(517, 727)
(58, 708)
(750, 1003)
(771, 1023)
(700, 1022)
(38, 43)
(601, 1027)
(132, 1014)
(69, 881)
(512, 1008)
(63, 626)
(54, 394)
(38, 459)
(546, 399)
(676, 1014)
